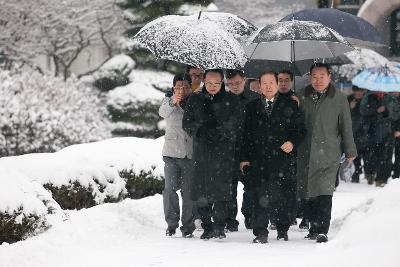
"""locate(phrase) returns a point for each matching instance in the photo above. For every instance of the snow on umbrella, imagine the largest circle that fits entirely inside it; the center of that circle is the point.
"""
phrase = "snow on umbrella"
(381, 79)
(356, 30)
(188, 40)
(229, 22)
(296, 40)
(254, 68)
(362, 58)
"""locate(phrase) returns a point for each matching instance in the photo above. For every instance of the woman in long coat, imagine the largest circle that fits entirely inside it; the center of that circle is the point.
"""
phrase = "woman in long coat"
(212, 117)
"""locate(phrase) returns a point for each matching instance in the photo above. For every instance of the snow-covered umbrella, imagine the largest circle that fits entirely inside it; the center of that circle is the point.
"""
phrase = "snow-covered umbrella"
(293, 41)
(356, 30)
(229, 22)
(254, 68)
(296, 40)
(381, 79)
(361, 59)
(190, 40)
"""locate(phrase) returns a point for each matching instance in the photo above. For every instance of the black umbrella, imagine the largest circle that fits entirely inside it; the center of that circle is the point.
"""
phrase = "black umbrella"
(356, 30)
(292, 41)
(254, 68)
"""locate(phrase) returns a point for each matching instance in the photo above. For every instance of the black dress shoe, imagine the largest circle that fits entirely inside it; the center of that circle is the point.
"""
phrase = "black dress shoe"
(283, 236)
(262, 239)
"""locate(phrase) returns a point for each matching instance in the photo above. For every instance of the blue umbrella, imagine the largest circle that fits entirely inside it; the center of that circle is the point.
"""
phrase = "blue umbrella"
(381, 79)
(356, 30)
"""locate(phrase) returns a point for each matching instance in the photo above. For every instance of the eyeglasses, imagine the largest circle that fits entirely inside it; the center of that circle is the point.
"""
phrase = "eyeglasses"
(213, 84)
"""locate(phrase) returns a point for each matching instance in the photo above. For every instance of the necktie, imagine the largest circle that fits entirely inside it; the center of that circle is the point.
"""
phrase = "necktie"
(269, 107)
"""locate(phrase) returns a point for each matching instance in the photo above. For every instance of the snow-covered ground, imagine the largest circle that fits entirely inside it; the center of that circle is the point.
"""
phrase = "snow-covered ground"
(364, 232)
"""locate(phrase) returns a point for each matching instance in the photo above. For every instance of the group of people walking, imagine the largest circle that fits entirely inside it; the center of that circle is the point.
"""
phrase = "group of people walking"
(284, 146)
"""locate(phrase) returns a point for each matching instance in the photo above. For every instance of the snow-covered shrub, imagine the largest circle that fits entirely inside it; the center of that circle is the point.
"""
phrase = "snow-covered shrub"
(115, 72)
(42, 113)
(26, 208)
(86, 191)
(142, 184)
(134, 108)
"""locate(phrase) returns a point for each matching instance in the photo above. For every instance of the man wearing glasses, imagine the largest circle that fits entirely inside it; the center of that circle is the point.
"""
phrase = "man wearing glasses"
(212, 118)
(236, 81)
(177, 152)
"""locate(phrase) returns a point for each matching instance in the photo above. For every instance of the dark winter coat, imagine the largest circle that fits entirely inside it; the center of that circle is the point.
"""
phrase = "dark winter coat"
(213, 121)
(244, 98)
(358, 124)
(378, 126)
(329, 134)
(263, 137)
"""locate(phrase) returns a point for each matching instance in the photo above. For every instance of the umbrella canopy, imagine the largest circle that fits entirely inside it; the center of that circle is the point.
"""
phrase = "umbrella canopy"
(296, 40)
(355, 29)
(381, 79)
(253, 68)
(361, 59)
(188, 40)
(229, 22)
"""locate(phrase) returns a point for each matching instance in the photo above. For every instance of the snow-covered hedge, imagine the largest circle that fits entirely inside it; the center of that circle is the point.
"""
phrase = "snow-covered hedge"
(26, 208)
(79, 176)
(134, 108)
(115, 72)
(42, 113)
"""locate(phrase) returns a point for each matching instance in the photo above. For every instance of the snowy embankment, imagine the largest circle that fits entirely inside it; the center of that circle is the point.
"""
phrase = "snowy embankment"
(95, 166)
(364, 232)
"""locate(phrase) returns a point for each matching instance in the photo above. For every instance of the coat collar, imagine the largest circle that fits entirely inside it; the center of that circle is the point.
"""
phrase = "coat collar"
(330, 90)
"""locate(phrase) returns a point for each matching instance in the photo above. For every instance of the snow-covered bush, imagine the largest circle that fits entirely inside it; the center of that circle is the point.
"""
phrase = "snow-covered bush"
(113, 73)
(26, 208)
(78, 176)
(134, 108)
(143, 184)
(42, 113)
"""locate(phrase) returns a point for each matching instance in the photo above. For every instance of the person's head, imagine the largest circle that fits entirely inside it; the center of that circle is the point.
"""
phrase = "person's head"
(182, 84)
(285, 81)
(213, 81)
(235, 81)
(196, 74)
(358, 92)
(269, 84)
(254, 86)
(320, 76)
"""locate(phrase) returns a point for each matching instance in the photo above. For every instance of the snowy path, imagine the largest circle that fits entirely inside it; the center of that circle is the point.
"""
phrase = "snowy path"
(131, 233)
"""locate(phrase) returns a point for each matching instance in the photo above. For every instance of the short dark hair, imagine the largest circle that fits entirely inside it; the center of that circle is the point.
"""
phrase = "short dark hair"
(288, 72)
(230, 73)
(216, 71)
(320, 65)
(182, 77)
(269, 72)
(189, 67)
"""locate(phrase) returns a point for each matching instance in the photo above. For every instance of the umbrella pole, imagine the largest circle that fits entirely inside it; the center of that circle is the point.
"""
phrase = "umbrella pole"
(293, 59)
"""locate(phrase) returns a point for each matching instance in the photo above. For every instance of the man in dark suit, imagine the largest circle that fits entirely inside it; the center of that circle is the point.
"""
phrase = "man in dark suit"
(236, 82)
(274, 127)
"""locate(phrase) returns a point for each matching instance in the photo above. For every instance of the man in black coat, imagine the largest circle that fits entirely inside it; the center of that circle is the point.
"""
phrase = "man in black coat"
(357, 123)
(274, 127)
(236, 82)
(379, 110)
(212, 117)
